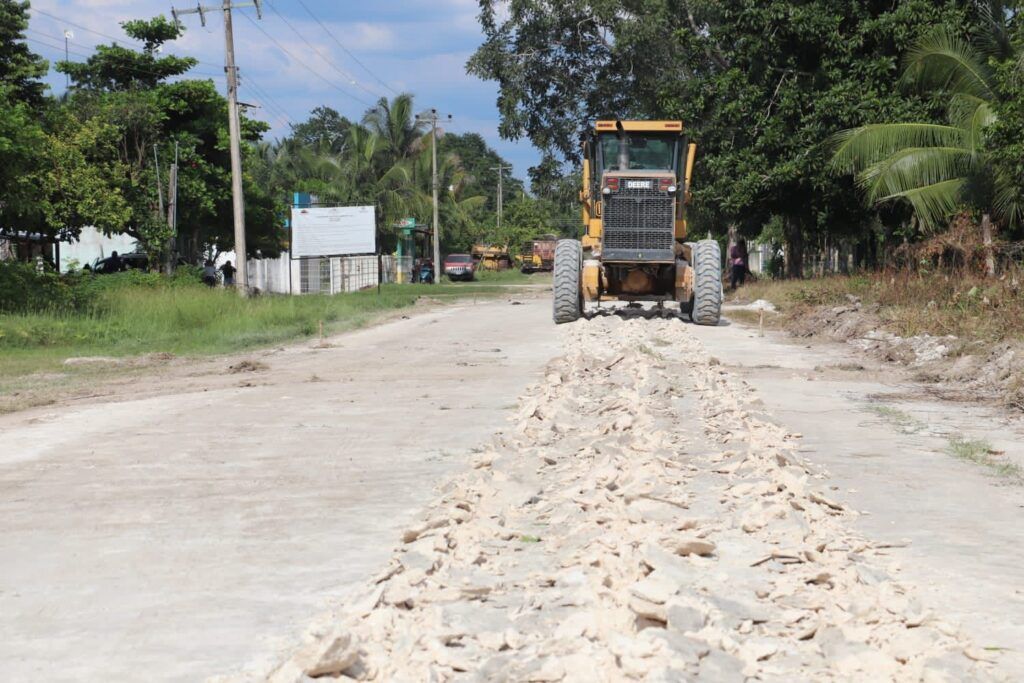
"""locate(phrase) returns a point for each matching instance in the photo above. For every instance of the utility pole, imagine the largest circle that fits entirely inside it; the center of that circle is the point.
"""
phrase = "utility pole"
(237, 198)
(500, 168)
(159, 187)
(68, 35)
(172, 212)
(432, 118)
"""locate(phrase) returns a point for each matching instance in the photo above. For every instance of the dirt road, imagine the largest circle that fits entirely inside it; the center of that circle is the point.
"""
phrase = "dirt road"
(668, 502)
(646, 518)
(191, 525)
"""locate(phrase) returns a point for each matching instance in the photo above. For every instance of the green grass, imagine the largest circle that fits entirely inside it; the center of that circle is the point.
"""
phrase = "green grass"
(980, 452)
(976, 451)
(195, 320)
(905, 421)
(512, 276)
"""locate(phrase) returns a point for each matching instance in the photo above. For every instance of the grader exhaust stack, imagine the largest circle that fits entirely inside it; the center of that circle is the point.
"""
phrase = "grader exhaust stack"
(636, 184)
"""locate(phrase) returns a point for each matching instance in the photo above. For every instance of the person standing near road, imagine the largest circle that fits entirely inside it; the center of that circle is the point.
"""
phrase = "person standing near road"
(738, 260)
(209, 274)
(115, 264)
(229, 274)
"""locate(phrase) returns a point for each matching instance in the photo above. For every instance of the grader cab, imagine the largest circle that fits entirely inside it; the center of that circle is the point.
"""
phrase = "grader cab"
(636, 184)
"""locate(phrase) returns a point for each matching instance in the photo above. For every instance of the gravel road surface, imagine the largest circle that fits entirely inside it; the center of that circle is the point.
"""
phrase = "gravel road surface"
(643, 518)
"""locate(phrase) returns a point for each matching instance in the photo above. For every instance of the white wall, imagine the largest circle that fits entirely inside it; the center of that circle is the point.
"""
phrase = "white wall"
(91, 245)
(335, 275)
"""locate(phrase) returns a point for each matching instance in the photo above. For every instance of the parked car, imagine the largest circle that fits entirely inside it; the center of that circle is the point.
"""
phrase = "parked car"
(459, 267)
(134, 261)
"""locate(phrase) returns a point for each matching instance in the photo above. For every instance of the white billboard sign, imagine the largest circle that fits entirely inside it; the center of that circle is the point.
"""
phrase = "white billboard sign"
(333, 231)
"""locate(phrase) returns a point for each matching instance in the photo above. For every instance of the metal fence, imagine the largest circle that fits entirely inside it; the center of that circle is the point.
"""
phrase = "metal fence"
(327, 275)
(344, 273)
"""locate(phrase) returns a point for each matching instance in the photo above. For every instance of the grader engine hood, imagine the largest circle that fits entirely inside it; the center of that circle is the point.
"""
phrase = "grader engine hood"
(638, 215)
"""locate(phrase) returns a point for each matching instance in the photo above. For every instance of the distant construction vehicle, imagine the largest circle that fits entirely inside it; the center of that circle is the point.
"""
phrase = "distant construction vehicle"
(538, 254)
(636, 184)
(491, 257)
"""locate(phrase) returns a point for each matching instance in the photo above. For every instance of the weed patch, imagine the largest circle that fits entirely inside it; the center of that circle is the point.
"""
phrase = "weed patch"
(135, 313)
(906, 422)
(980, 452)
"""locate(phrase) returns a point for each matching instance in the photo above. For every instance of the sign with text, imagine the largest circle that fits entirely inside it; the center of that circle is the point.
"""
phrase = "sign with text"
(333, 231)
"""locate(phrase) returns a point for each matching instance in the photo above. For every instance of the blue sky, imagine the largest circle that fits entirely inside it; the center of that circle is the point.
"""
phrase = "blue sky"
(419, 46)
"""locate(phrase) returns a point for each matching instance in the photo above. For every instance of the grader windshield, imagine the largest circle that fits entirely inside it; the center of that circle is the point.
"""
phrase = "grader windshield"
(638, 152)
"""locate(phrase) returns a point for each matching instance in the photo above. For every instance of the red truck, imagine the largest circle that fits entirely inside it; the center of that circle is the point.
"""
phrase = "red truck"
(538, 254)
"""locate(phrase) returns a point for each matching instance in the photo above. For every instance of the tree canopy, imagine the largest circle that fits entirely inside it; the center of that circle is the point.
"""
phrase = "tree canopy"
(762, 86)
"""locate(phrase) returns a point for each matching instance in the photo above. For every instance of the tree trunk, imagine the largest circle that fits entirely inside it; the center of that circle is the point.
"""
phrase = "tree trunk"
(794, 249)
(986, 238)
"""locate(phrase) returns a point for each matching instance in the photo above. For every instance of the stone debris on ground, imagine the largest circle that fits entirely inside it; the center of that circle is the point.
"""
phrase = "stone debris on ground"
(642, 519)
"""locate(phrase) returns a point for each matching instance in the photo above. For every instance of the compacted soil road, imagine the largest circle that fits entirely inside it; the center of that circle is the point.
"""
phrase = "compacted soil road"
(662, 503)
(194, 523)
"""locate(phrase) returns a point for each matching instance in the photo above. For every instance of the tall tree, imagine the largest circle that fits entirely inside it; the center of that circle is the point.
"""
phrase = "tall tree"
(395, 125)
(480, 162)
(21, 98)
(20, 69)
(761, 86)
(325, 126)
(22, 141)
(143, 95)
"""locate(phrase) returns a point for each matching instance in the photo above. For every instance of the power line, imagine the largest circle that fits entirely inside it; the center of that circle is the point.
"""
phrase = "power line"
(135, 69)
(269, 103)
(298, 61)
(345, 49)
(344, 74)
(116, 40)
(266, 101)
(79, 26)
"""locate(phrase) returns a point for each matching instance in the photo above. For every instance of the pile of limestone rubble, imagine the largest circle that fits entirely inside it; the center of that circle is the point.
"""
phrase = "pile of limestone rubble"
(642, 520)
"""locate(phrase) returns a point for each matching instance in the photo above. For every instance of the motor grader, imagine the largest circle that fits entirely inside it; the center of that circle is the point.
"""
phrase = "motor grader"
(636, 184)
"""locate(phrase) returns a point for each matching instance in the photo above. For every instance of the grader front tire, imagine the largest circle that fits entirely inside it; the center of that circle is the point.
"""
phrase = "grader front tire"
(568, 299)
(707, 283)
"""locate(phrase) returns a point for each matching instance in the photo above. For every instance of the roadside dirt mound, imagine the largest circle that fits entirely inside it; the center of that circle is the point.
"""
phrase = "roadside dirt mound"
(847, 321)
(993, 372)
(641, 520)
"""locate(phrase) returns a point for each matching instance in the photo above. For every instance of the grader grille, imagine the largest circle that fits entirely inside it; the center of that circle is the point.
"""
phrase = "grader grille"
(638, 222)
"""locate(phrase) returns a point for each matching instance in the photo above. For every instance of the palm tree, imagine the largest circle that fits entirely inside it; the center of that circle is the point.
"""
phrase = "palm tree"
(939, 168)
(456, 211)
(399, 132)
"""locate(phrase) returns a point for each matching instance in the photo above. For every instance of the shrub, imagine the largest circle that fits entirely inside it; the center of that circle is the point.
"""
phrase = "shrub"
(23, 289)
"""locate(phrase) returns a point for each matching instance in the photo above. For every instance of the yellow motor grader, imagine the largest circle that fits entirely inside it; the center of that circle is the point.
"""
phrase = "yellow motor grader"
(636, 184)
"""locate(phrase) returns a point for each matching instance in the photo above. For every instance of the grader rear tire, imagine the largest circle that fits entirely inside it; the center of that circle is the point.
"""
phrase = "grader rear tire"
(707, 283)
(568, 298)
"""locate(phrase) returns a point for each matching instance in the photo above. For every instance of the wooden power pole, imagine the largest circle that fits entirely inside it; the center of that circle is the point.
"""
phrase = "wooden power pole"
(431, 117)
(500, 168)
(237, 197)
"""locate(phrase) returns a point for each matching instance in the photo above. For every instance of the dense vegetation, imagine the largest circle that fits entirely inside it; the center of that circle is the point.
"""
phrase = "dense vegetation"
(821, 124)
(99, 155)
(765, 87)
